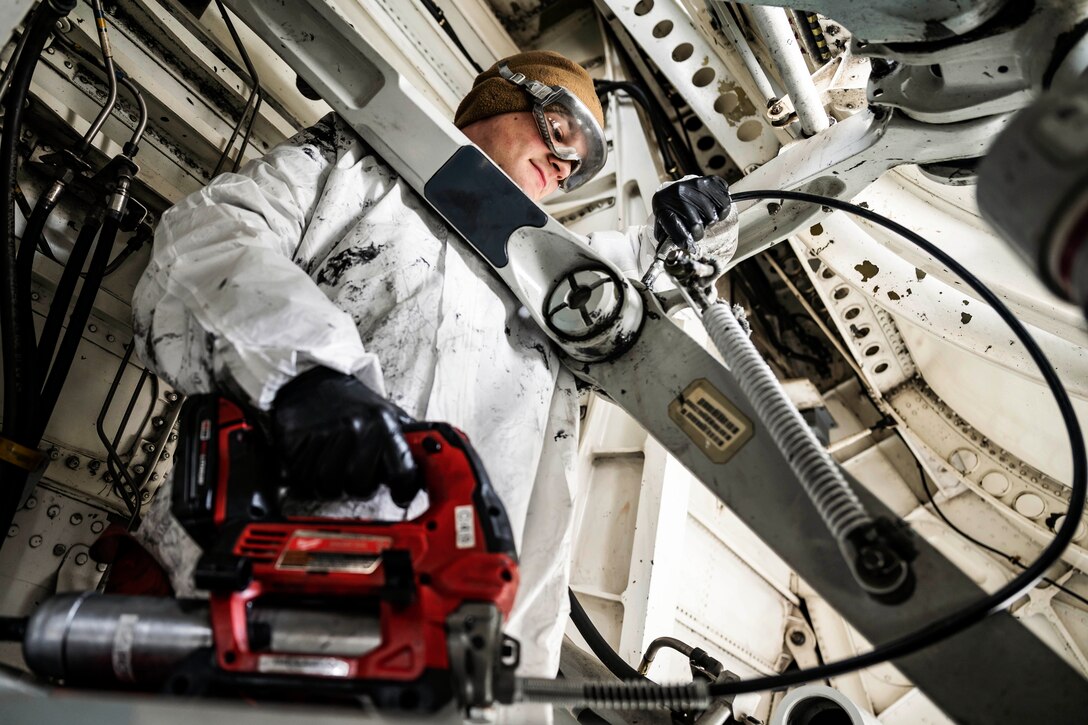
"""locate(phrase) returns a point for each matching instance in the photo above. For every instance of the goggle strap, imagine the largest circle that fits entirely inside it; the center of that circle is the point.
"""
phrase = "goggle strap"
(536, 89)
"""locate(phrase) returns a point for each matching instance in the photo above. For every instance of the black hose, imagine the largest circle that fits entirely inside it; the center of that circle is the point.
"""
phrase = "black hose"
(62, 298)
(597, 644)
(58, 372)
(16, 318)
(33, 234)
(948, 625)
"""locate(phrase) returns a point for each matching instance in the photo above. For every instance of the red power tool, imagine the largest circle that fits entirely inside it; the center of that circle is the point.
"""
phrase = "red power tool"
(405, 614)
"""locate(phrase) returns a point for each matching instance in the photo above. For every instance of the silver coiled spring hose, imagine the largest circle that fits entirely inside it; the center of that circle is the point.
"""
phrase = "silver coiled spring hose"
(811, 463)
(613, 695)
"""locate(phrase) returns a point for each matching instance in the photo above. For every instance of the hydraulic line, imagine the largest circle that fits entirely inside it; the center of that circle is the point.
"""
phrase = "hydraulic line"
(63, 295)
(255, 96)
(16, 319)
(58, 372)
(5, 81)
(597, 644)
(777, 32)
(111, 79)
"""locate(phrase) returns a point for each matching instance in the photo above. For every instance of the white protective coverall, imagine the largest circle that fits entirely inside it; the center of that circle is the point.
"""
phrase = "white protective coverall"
(318, 254)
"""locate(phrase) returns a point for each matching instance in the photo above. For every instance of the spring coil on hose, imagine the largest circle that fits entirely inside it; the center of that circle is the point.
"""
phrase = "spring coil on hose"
(614, 695)
(837, 503)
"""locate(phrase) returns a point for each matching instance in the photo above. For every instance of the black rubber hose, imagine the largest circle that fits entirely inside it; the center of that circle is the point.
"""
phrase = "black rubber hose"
(33, 235)
(597, 644)
(16, 321)
(62, 298)
(74, 333)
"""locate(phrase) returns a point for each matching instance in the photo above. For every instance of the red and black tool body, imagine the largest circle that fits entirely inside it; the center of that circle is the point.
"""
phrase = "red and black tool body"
(412, 575)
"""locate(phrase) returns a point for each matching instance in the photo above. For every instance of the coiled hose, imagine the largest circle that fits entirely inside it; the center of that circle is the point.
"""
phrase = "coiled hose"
(614, 695)
(837, 504)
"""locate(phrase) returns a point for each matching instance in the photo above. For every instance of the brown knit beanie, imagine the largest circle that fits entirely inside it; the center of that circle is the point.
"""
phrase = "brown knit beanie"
(492, 94)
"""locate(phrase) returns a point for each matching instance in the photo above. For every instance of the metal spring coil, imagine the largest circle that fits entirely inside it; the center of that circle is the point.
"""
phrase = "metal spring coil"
(837, 504)
(614, 695)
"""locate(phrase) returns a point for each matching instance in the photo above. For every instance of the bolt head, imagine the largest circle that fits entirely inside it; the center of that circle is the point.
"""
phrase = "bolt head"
(72, 462)
(81, 559)
(145, 496)
(59, 549)
(97, 526)
(172, 396)
(31, 502)
(53, 511)
(35, 541)
(797, 637)
(13, 530)
(75, 519)
(54, 454)
(138, 469)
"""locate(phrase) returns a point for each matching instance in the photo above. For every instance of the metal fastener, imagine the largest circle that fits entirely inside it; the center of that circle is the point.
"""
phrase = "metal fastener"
(93, 466)
(138, 469)
(54, 454)
(31, 502)
(165, 455)
(13, 530)
(101, 567)
(173, 437)
(111, 338)
(75, 519)
(582, 303)
(107, 477)
(81, 559)
(50, 50)
(149, 447)
(59, 549)
(35, 296)
(35, 541)
(154, 477)
(798, 637)
(158, 421)
(172, 396)
(53, 511)
(92, 327)
(68, 64)
(97, 526)
(63, 25)
(72, 462)
(145, 496)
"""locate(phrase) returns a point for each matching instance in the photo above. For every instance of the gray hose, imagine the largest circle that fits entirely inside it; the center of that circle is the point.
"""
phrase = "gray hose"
(613, 695)
(811, 463)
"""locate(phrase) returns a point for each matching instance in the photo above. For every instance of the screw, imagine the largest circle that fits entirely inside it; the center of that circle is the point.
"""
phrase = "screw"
(110, 338)
(35, 296)
(97, 526)
(35, 541)
(63, 25)
(50, 50)
(154, 477)
(138, 469)
(72, 462)
(31, 502)
(101, 567)
(52, 511)
(797, 637)
(13, 530)
(54, 454)
(68, 64)
(107, 477)
(583, 302)
(145, 496)
(158, 421)
(81, 559)
(149, 447)
(92, 327)
(172, 396)
(165, 455)
(93, 466)
(76, 519)
(173, 437)
(59, 549)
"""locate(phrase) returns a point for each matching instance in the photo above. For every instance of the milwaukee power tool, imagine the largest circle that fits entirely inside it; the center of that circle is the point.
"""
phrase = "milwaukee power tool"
(405, 615)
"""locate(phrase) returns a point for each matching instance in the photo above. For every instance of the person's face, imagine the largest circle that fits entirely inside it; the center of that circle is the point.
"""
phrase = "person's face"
(512, 141)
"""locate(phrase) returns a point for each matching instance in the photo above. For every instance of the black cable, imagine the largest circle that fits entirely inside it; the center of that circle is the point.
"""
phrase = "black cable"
(254, 95)
(597, 644)
(973, 613)
(440, 18)
(1015, 561)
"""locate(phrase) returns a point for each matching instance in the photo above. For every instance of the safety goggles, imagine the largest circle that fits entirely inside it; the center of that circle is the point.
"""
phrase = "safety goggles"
(566, 126)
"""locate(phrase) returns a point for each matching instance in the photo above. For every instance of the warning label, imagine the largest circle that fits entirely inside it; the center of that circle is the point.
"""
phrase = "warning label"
(715, 424)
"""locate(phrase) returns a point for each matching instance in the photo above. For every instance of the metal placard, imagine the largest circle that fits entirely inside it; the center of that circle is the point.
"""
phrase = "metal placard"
(709, 419)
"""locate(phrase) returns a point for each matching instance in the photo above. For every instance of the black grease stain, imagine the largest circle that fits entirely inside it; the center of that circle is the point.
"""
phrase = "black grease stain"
(816, 230)
(876, 289)
(338, 264)
(864, 205)
(920, 274)
(964, 318)
(222, 284)
(867, 270)
(543, 354)
(561, 434)
(818, 250)
(966, 302)
(893, 295)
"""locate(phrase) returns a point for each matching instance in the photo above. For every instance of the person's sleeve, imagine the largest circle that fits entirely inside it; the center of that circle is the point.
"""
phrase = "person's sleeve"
(223, 304)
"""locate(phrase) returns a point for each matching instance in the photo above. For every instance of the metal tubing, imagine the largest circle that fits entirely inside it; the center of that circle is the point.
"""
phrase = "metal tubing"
(252, 103)
(775, 27)
(735, 35)
(111, 79)
(657, 644)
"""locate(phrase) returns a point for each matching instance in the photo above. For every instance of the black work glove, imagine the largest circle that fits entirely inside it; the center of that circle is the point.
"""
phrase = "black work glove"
(336, 436)
(684, 210)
